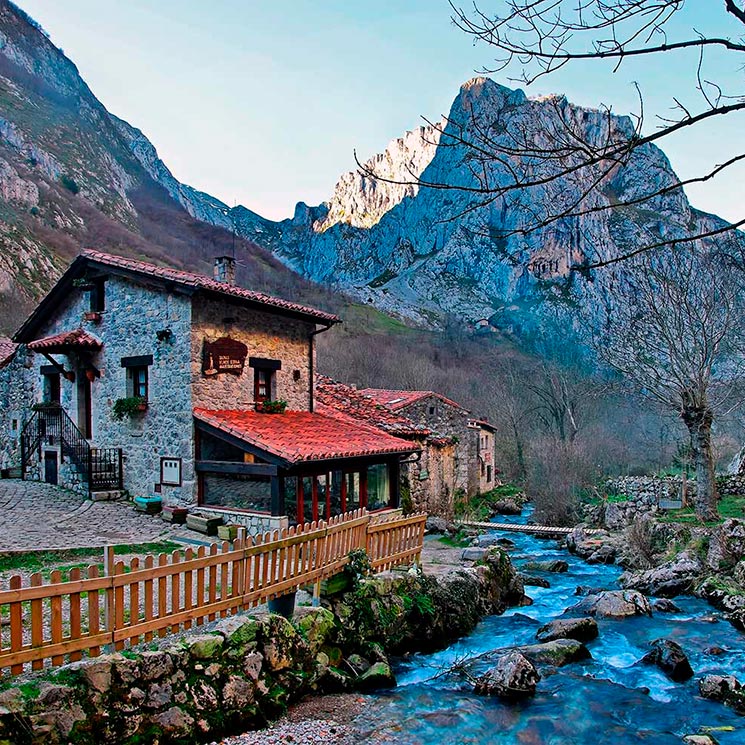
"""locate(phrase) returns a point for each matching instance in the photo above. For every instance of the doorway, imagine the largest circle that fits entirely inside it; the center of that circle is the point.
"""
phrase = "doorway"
(51, 469)
(84, 405)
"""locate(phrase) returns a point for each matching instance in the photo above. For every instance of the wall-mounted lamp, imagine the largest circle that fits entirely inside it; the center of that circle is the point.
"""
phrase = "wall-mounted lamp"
(164, 334)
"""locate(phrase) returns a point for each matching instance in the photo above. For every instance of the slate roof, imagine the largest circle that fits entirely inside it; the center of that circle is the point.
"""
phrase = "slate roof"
(7, 350)
(396, 400)
(60, 343)
(300, 436)
(338, 399)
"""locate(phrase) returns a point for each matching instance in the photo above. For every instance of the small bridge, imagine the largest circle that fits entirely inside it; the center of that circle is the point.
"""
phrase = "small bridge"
(517, 528)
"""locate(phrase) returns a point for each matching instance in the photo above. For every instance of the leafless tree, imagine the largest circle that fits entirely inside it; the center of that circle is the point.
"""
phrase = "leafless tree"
(570, 158)
(674, 331)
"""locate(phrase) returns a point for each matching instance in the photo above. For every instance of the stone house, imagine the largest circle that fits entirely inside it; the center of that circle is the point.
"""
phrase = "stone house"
(161, 382)
(474, 455)
(428, 476)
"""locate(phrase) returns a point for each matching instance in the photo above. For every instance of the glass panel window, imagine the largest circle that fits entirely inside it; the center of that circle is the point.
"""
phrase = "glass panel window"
(263, 384)
(241, 492)
(138, 381)
(353, 491)
(378, 487)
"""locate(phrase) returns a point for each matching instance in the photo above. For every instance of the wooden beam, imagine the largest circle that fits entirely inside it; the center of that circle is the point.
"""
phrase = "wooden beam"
(244, 469)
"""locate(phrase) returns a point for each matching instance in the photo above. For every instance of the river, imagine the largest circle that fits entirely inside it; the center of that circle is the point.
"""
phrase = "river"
(608, 699)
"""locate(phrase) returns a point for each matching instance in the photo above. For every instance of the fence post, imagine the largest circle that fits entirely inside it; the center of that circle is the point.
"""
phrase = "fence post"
(108, 570)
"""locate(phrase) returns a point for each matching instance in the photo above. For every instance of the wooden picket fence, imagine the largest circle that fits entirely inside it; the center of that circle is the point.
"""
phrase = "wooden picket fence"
(54, 623)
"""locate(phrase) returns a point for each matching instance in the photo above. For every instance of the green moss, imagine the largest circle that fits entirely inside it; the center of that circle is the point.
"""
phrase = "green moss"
(458, 541)
(29, 690)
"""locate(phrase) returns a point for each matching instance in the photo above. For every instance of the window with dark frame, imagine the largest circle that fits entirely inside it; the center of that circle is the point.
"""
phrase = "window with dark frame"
(138, 380)
(98, 296)
(263, 379)
(138, 377)
(52, 388)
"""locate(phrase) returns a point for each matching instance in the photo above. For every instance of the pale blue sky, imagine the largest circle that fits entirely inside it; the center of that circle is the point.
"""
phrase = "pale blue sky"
(263, 102)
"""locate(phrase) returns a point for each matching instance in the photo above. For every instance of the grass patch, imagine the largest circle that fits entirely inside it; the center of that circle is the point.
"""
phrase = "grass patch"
(730, 505)
(42, 561)
(454, 541)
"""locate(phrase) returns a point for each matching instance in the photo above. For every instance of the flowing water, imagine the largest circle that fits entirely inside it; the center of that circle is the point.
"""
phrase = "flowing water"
(608, 699)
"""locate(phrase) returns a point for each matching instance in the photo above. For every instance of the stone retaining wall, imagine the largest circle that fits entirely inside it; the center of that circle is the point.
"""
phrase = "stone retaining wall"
(243, 670)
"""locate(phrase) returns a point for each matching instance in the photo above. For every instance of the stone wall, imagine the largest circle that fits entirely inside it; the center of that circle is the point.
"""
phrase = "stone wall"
(266, 335)
(256, 523)
(633, 496)
(452, 421)
(431, 480)
(16, 394)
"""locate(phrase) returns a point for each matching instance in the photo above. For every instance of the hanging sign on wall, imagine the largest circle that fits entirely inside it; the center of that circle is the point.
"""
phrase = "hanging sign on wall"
(224, 355)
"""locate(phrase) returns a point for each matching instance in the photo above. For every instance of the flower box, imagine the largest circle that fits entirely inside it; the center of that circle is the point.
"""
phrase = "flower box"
(93, 316)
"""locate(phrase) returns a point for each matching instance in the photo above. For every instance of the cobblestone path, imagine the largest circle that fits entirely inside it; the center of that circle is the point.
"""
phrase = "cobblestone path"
(36, 515)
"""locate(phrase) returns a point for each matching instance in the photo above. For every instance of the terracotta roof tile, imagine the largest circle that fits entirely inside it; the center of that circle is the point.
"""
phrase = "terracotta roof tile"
(203, 282)
(300, 436)
(340, 400)
(77, 339)
(396, 400)
(7, 350)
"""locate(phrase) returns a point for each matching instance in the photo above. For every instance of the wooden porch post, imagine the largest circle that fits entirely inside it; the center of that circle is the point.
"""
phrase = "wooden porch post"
(278, 495)
(394, 483)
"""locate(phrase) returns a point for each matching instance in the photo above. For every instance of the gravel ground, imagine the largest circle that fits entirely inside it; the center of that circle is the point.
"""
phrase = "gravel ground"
(320, 719)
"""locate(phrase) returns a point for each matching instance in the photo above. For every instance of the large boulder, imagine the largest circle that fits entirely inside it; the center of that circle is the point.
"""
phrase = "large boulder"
(473, 553)
(673, 578)
(555, 565)
(492, 539)
(581, 629)
(670, 658)
(513, 677)
(724, 688)
(614, 604)
(377, 676)
(556, 653)
(506, 507)
(530, 581)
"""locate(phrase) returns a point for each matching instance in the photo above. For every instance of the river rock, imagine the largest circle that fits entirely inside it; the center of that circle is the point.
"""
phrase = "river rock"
(673, 578)
(715, 651)
(581, 629)
(530, 581)
(473, 553)
(700, 740)
(603, 555)
(718, 687)
(726, 546)
(485, 541)
(664, 605)
(440, 526)
(555, 565)
(513, 677)
(377, 676)
(737, 619)
(506, 507)
(670, 658)
(557, 653)
(614, 604)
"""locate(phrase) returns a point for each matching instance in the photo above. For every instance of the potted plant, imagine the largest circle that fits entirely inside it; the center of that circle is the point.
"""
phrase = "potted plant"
(272, 407)
(128, 407)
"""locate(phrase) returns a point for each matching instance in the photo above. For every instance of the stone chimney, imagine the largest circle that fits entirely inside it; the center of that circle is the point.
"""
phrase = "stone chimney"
(225, 269)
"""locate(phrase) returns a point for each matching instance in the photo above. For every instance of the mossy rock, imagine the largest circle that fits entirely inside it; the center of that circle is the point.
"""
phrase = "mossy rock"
(377, 676)
(315, 625)
(206, 647)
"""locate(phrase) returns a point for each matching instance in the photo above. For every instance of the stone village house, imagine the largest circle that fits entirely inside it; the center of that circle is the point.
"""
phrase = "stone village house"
(192, 362)
(457, 451)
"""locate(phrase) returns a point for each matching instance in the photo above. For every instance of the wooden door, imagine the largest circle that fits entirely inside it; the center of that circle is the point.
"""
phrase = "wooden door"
(51, 471)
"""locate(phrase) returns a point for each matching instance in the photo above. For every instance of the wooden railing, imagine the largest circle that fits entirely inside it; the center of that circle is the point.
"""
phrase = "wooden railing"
(43, 624)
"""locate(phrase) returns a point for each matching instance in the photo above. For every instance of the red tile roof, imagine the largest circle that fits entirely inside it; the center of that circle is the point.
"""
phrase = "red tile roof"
(300, 436)
(60, 343)
(400, 399)
(7, 350)
(340, 400)
(203, 282)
